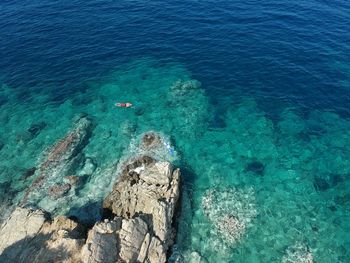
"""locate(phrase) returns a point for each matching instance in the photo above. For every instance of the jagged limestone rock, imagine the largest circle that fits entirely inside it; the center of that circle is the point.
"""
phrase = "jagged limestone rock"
(145, 197)
(21, 224)
(30, 236)
(101, 244)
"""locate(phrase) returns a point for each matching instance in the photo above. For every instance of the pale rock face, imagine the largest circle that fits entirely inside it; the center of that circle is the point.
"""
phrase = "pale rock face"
(26, 223)
(26, 236)
(130, 242)
(157, 174)
(146, 202)
(101, 246)
(131, 236)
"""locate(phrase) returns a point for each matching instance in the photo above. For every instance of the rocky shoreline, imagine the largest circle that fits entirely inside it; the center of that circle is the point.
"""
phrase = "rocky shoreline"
(140, 230)
(140, 208)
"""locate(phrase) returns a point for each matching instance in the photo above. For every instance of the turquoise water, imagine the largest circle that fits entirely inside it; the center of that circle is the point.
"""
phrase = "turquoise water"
(285, 179)
(253, 96)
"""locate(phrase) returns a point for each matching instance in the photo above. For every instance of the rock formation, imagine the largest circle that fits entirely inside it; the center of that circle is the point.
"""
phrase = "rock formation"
(142, 203)
(59, 161)
(143, 200)
(30, 236)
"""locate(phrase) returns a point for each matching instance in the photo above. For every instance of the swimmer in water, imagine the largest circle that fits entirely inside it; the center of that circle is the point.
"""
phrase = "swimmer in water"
(123, 105)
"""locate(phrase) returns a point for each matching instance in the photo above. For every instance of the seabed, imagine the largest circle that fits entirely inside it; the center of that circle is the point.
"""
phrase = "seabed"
(282, 182)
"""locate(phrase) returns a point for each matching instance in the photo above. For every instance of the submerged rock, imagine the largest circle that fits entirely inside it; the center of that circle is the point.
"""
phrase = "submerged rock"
(128, 128)
(342, 199)
(298, 254)
(230, 211)
(1, 145)
(325, 182)
(187, 257)
(181, 87)
(58, 161)
(58, 190)
(151, 140)
(139, 111)
(30, 236)
(23, 137)
(156, 145)
(195, 257)
(73, 179)
(36, 128)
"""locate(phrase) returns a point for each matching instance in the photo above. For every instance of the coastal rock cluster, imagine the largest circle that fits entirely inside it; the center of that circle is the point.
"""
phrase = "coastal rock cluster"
(140, 208)
(143, 202)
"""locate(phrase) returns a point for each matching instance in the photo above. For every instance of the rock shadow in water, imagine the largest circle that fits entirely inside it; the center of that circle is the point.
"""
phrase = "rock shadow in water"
(87, 214)
(255, 167)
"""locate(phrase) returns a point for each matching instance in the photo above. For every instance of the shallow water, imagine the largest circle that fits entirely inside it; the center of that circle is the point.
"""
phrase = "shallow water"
(253, 97)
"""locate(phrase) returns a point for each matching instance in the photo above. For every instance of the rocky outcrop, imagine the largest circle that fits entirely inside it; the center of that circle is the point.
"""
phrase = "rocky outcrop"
(143, 200)
(30, 236)
(58, 161)
(142, 203)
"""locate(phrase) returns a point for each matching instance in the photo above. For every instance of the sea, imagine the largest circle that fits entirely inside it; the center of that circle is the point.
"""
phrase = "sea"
(254, 97)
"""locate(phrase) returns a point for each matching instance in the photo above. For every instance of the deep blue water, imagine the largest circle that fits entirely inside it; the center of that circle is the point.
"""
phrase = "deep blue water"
(277, 51)
(273, 123)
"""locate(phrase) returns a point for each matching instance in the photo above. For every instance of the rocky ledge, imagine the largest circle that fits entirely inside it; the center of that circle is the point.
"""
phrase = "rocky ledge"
(139, 228)
(31, 236)
(143, 201)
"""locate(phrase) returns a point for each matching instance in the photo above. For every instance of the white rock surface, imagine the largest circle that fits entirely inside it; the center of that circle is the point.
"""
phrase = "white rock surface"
(21, 224)
(26, 236)
(146, 202)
